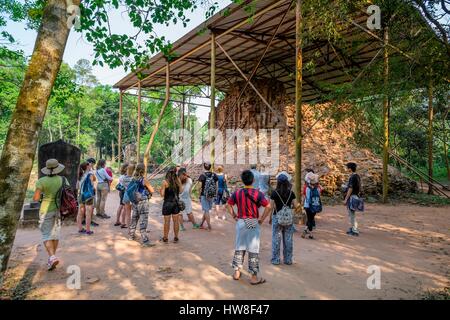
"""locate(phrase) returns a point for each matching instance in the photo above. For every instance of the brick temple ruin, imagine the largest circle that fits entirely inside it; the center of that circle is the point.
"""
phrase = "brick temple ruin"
(327, 147)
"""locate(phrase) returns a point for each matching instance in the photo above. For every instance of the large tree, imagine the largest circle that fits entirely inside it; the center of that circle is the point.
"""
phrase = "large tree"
(113, 49)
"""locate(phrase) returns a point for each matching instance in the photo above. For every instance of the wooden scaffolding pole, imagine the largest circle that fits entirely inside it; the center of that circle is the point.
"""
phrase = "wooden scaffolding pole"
(430, 136)
(212, 115)
(298, 99)
(158, 122)
(386, 115)
(138, 147)
(119, 142)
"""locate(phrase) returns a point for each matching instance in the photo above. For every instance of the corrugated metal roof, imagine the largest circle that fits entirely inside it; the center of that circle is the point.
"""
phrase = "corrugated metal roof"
(245, 44)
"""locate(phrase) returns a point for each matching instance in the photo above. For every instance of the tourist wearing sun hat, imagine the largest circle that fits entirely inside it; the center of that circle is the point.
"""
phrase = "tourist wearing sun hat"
(47, 189)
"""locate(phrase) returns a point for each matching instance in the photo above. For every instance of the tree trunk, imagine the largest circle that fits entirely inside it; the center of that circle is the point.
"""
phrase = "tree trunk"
(386, 107)
(50, 135)
(113, 157)
(430, 137)
(20, 146)
(60, 127)
(298, 101)
(79, 128)
(444, 132)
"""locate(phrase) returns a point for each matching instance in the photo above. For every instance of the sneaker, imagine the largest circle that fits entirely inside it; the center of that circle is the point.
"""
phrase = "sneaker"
(224, 218)
(352, 233)
(147, 244)
(195, 226)
(103, 216)
(52, 263)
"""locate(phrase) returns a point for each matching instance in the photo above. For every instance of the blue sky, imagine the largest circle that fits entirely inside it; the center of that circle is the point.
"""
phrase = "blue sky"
(78, 48)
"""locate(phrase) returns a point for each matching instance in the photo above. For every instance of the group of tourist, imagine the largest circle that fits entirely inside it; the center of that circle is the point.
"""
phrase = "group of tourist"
(249, 206)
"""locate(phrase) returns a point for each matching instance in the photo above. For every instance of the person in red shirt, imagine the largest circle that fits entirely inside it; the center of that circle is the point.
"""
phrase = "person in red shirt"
(247, 200)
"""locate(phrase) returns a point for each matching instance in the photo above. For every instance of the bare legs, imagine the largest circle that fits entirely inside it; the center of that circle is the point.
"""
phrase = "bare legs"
(51, 246)
(219, 208)
(206, 218)
(126, 215)
(120, 212)
(166, 227)
(191, 220)
(85, 211)
(176, 226)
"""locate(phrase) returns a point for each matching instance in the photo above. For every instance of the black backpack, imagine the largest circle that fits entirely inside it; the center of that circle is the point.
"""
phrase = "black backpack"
(210, 190)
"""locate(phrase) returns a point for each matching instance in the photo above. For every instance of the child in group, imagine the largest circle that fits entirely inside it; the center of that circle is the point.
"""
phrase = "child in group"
(126, 215)
(120, 187)
(86, 179)
(185, 196)
(312, 204)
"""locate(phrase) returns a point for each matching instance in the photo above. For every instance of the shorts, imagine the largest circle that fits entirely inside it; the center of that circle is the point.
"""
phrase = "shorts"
(169, 208)
(50, 225)
(121, 194)
(89, 202)
(206, 204)
(219, 198)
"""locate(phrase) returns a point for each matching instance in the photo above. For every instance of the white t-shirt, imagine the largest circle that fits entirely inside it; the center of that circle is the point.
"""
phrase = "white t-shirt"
(186, 194)
(102, 176)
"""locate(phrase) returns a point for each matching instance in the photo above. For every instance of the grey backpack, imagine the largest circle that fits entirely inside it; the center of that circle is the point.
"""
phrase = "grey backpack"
(285, 216)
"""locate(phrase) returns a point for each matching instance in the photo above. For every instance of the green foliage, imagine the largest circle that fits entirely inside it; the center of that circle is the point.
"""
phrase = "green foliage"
(12, 69)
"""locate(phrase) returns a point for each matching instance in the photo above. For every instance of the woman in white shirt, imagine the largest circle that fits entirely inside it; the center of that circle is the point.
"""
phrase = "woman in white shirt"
(102, 188)
(185, 196)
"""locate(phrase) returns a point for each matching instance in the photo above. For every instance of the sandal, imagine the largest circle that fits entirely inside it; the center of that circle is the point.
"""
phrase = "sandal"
(165, 240)
(260, 281)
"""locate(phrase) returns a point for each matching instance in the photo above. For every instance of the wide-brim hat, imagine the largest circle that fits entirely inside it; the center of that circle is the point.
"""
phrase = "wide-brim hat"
(314, 178)
(52, 166)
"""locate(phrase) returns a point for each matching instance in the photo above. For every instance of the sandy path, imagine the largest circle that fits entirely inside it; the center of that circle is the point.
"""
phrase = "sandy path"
(410, 244)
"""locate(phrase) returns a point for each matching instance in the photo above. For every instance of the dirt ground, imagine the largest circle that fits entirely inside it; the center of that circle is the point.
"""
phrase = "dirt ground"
(410, 244)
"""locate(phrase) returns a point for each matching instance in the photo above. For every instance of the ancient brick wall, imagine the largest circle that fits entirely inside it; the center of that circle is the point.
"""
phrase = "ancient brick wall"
(327, 147)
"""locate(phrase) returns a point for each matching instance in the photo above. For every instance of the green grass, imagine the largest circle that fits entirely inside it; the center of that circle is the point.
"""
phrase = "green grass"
(443, 294)
(422, 199)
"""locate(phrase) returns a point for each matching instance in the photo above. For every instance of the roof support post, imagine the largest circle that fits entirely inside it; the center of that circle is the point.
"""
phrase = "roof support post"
(138, 147)
(155, 128)
(386, 115)
(183, 125)
(212, 115)
(298, 98)
(119, 142)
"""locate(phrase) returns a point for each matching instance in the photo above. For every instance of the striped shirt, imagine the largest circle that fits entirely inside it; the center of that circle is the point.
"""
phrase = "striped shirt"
(246, 207)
